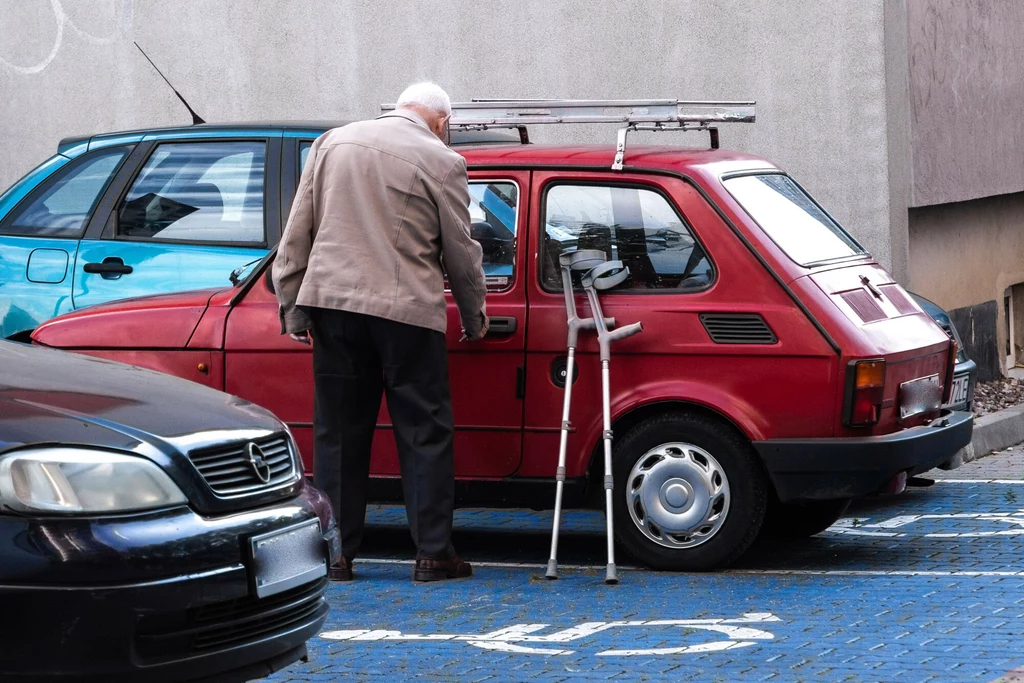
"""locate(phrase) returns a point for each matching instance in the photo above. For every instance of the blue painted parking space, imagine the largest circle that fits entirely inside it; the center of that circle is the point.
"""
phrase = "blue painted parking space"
(928, 586)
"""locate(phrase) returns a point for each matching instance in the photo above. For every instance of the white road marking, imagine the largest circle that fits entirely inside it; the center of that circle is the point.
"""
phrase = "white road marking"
(505, 565)
(852, 526)
(800, 572)
(739, 632)
(874, 572)
(980, 481)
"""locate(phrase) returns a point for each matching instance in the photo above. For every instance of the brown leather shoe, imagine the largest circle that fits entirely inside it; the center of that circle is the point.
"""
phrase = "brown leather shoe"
(440, 570)
(341, 571)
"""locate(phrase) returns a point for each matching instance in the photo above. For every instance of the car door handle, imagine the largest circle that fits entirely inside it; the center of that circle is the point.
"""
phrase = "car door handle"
(501, 326)
(110, 266)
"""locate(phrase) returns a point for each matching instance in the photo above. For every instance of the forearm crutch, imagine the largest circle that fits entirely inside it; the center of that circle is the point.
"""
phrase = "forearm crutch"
(601, 277)
(582, 260)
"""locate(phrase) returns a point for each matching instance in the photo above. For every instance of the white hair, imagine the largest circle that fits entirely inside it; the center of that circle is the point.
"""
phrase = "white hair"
(426, 94)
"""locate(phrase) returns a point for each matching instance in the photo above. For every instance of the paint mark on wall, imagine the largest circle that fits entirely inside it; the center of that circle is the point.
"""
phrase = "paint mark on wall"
(63, 20)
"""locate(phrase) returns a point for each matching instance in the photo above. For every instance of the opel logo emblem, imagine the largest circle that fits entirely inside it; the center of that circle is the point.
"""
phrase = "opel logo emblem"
(258, 462)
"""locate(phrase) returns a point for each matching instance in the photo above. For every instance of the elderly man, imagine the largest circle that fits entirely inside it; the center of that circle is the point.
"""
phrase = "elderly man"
(381, 204)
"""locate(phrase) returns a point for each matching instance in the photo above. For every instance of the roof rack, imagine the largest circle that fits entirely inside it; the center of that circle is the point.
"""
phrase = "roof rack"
(652, 115)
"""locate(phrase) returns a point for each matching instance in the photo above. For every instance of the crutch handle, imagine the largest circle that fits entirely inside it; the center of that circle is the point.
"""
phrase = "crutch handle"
(582, 259)
(591, 324)
(623, 332)
(605, 275)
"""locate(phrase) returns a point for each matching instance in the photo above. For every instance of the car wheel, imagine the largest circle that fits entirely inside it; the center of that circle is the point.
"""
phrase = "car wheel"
(800, 520)
(690, 493)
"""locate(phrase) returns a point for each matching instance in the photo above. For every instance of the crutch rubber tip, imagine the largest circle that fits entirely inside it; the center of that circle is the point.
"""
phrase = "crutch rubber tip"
(552, 572)
(611, 578)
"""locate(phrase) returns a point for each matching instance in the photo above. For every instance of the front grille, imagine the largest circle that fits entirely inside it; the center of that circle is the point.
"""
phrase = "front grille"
(228, 469)
(737, 328)
(228, 624)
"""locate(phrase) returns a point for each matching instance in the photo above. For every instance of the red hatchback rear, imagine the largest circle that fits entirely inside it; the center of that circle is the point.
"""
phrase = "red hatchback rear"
(781, 371)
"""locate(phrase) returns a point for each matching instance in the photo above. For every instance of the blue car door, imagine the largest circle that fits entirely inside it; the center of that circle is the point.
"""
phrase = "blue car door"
(40, 232)
(196, 209)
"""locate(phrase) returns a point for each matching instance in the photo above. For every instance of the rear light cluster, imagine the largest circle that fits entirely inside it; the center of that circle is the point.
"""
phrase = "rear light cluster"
(865, 391)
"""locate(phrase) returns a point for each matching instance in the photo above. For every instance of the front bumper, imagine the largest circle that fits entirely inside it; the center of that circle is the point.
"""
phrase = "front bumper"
(827, 469)
(175, 604)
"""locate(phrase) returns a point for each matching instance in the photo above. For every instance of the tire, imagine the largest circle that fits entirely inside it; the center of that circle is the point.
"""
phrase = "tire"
(690, 493)
(800, 520)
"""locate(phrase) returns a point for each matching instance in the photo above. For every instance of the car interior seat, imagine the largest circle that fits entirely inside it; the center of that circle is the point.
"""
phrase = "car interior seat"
(633, 253)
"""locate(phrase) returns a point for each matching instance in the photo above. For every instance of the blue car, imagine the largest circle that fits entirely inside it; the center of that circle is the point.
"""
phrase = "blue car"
(128, 214)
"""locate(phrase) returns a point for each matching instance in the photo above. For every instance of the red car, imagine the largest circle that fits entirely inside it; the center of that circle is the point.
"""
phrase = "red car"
(781, 371)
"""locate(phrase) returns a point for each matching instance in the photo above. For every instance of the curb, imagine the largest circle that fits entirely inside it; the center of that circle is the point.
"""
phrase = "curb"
(994, 432)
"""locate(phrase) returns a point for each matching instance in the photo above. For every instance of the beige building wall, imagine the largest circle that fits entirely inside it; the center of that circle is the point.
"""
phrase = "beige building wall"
(966, 90)
(966, 237)
(964, 256)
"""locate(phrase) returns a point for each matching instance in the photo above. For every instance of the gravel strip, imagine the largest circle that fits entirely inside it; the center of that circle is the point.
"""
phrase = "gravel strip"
(992, 396)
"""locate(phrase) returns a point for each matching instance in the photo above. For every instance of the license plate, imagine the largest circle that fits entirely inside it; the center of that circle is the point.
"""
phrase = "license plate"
(286, 558)
(961, 384)
(920, 396)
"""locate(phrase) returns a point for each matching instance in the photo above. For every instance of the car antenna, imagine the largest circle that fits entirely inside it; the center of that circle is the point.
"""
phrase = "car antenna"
(196, 118)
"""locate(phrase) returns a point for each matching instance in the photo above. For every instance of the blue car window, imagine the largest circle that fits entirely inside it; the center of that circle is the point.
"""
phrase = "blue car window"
(492, 212)
(62, 206)
(304, 153)
(636, 226)
(200, 192)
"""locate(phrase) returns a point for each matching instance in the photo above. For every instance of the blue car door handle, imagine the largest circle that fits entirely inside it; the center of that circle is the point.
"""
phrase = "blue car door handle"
(111, 268)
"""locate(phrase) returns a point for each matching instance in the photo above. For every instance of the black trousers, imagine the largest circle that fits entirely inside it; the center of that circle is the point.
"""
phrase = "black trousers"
(356, 359)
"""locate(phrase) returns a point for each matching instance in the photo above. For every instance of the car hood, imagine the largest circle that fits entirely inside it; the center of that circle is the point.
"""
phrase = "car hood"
(163, 321)
(52, 397)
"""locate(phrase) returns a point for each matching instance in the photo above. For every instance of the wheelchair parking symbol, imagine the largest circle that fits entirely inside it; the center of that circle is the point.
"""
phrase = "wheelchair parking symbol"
(738, 633)
(970, 524)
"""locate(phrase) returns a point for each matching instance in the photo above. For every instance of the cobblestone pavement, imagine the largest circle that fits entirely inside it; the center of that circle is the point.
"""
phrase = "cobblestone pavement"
(926, 586)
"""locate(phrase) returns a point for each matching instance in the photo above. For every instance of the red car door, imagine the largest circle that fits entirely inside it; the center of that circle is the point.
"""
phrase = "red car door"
(684, 263)
(271, 370)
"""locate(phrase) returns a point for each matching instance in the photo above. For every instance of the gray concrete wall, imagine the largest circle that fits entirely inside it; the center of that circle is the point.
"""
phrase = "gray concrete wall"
(898, 139)
(817, 70)
(966, 88)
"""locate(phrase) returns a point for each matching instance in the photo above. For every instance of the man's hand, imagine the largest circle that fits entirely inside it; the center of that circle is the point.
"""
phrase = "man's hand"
(479, 335)
(302, 337)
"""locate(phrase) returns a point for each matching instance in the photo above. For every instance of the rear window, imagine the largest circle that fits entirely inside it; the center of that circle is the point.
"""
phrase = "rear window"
(792, 219)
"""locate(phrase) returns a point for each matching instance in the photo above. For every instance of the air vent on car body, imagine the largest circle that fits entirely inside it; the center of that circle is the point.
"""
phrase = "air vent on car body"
(737, 328)
(900, 300)
(863, 304)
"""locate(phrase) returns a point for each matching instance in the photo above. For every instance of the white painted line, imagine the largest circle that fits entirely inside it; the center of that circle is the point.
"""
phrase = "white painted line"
(980, 481)
(781, 572)
(505, 565)
(870, 572)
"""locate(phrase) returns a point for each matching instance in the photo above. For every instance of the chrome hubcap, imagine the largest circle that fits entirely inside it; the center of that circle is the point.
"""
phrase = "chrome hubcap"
(678, 495)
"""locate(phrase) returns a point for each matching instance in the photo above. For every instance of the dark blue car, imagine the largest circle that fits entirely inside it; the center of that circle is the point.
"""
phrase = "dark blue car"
(965, 374)
(151, 529)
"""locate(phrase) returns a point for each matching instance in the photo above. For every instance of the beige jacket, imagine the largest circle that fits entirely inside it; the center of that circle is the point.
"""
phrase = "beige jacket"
(379, 205)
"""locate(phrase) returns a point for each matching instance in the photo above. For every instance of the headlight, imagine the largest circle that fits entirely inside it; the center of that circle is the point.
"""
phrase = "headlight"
(81, 481)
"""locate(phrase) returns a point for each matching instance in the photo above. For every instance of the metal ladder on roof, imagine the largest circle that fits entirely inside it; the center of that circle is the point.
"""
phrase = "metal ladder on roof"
(648, 115)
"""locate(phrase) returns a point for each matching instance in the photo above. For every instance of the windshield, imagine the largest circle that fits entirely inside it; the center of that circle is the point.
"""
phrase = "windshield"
(792, 219)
